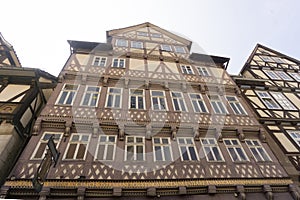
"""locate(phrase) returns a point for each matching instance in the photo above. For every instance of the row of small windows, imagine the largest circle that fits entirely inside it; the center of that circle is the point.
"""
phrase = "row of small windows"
(281, 75)
(158, 99)
(78, 146)
(275, 100)
(120, 63)
(140, 45)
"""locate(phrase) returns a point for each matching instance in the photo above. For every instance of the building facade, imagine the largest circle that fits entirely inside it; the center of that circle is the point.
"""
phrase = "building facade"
(23, 93)
(270, 83)
(140, 116)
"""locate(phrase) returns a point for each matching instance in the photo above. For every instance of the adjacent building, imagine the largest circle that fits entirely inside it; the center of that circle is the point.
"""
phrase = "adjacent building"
(270, 83)
(141, 116)
(23, 93)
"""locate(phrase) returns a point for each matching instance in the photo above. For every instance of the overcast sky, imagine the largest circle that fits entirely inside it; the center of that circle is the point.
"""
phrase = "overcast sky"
(39, 30)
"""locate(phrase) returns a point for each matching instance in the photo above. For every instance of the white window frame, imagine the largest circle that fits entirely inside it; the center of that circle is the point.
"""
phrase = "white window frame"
(295, 135)
(101, 61)
(107, 143)
(283, 101)
(199, 102)
(135, 145)
(237, 149)
(236, 106)
(178, 101)
(156, 35)
(218, 105)
(166, 47)
(137, 99)
(70, 93)
(164, 147)
(121, 43)
(91, 96)
(137, 44)
(258, 151)
(179, 49)
(114, 97)
(267, 100)
(187, 143)
(121, 63)
(78, 143)
(283, 75)
(272, 74)
(211, 148)
(295, 76)
(159, 99)
(44, 141)
(186, 69)
(203, 71)
(141, 33)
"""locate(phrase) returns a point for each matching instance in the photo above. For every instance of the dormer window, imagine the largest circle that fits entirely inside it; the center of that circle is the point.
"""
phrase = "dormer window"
(165, 47)
(121, 43)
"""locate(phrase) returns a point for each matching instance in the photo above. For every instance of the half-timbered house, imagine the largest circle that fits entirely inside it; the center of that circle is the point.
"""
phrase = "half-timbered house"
(23, 93)
(141, 116)
(270, 83)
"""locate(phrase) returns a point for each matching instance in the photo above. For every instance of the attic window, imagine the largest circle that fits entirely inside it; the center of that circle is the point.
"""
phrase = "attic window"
(122, 43)
(145, 34)
(179, 49)
(156, 35)
(166, 47)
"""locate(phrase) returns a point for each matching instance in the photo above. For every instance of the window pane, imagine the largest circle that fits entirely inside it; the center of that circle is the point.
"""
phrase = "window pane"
(71, 151)
(110, 152)
(167, 153)
(41, 150)
(81, 151)
(158, 153)
(100, 154)
(192, 153)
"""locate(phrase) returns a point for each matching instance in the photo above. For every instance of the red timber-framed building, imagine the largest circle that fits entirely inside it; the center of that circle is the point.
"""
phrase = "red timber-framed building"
(141, 117)
(23, 93)
(270, 82)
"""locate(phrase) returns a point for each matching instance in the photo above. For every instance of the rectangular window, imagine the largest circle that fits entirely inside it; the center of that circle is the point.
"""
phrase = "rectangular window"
(266, 59)
(136, 99)
(135, 148)
(122, 43)
(156, 35)
(296, 76)
(296, 136)
(158, 100)
(40, 150)
(203, 71)
(186, 69)
(106, 147)
(179, 49)
(99, 61)
(187, 148)
(67, 95)
(283, 101)
(198, 103)
(162, 149)
(118, 62)
(217, 104)
(136, 44)
(267, 100)
(257, 150)
(211, 149)
(272, 74)
(145, 34)
(235, 150)
(77, 147)
(91, 96)
(284, 76)
(178, 101)
(235, 105)
(165, 47)
(278, 60)
(114, 97)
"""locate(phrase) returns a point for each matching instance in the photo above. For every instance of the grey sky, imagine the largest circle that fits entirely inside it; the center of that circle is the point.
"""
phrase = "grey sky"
(39, 30)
